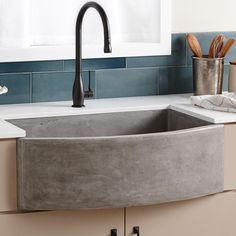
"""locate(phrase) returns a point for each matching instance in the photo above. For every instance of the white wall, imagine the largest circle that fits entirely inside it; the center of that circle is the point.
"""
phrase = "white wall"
(203, 15)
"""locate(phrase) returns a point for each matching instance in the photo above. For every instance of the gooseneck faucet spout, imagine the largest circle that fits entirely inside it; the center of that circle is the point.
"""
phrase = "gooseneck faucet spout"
(78, 91)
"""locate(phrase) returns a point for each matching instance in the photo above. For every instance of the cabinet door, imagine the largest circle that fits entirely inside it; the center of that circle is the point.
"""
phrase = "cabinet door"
(229, 158)
(209, 216)
(71, 223)
(8, 199)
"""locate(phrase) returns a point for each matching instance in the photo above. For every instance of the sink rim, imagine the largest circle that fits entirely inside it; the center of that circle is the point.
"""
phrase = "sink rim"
(96, 137)
(181, 131)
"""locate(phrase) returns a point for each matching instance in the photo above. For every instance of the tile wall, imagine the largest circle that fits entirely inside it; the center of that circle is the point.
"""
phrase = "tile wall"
(116, 77)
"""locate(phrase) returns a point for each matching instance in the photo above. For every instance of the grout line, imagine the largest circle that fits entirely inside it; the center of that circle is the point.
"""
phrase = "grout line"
(125, 218)
(31, 87)
(186, 50)
(93, 77)
(178, 66)
(89, 78)
(27, 73)
(49, 72)
(158, 82)
(126, 63)
(63, 65)
(115, 69)
(145, 68)
(15, 73)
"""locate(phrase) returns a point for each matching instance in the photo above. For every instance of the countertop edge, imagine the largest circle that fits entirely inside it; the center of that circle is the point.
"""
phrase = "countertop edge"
(9, 131)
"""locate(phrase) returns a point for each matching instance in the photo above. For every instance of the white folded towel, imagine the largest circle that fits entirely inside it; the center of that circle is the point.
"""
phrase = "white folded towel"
(3, 90)
(223, 102)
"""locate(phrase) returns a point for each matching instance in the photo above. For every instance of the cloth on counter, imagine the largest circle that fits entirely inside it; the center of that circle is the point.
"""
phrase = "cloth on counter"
(222, 102)
(3, 90)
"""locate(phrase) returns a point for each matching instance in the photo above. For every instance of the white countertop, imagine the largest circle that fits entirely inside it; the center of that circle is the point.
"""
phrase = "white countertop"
(10, 131)
(216, 117)
(178, 102)
(49, 109)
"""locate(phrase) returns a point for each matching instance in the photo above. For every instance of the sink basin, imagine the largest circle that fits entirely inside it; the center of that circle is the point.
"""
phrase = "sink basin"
(117, 160)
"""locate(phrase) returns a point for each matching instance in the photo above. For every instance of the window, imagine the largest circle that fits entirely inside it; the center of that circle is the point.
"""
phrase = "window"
(50, 24)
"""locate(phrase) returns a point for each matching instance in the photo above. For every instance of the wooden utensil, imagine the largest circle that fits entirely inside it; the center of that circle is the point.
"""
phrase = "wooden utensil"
(194, 45)
(216, 46)
(212, 49)
(226, 48)
(220, 43)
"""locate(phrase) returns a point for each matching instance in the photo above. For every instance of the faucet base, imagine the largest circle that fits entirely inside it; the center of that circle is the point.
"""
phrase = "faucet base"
(78, 106)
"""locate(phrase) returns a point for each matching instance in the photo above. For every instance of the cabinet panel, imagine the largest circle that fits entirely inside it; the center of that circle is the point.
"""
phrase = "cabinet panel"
(73, 223)
(209, 216)
(230, 157)
(8, 200)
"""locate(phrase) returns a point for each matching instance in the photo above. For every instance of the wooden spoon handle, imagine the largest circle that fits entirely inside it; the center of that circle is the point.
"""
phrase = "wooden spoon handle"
(226, 47)
(211, 53)
(212, 50)
(194, 45)
(216, 46)
(220, 43)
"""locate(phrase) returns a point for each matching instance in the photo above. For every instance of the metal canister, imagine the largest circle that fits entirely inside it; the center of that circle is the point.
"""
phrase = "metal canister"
(232, 77)
(208, 75)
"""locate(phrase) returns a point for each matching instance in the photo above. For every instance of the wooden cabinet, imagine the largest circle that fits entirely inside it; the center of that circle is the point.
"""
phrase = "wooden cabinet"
(230, 157)
(8, 199)
(212, 215)
(71, 223)
(209, 216)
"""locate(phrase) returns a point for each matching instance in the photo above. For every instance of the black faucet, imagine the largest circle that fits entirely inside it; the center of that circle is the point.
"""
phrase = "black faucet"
(78, 91)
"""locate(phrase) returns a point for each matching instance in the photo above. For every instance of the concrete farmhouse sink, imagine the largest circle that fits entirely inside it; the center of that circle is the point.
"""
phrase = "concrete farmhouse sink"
(117, 160)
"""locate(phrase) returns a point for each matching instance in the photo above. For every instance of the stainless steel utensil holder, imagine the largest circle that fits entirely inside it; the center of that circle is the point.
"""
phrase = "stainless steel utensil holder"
(208, 75)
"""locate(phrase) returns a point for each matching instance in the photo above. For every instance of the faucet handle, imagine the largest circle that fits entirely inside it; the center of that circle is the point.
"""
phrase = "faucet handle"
(88, 94)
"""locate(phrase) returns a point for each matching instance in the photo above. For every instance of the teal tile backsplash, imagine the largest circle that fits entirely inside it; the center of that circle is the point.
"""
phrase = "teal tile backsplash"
(18, 88)
(94, 64)
(44, 81)
(35, 66)
(174, 80)
(54, 86)
(126, 82)
(177, 57)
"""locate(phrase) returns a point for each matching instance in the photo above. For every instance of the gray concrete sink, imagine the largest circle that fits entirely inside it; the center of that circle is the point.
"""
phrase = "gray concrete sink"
(117, 160)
